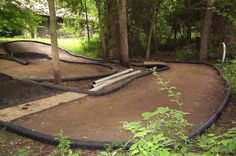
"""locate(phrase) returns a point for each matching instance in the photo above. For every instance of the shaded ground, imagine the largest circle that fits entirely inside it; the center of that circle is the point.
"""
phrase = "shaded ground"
(99, 118)
(14, 92)
(43, 68)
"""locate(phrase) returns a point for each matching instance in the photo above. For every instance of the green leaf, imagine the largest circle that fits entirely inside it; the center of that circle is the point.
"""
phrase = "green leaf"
(164, 153)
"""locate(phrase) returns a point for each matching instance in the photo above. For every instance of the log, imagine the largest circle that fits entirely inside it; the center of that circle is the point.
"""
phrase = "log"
(109, 82)
(113, 76)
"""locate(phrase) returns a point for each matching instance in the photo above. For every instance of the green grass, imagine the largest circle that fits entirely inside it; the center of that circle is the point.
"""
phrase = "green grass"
(74, 45)
(229, 70)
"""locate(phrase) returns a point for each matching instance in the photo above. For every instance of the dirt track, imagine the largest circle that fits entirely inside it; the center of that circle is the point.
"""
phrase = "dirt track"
(99, 118)
(43, 68)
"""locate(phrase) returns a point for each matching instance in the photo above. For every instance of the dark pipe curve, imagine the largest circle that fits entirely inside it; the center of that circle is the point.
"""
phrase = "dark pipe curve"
(102, 145)
(76, 143)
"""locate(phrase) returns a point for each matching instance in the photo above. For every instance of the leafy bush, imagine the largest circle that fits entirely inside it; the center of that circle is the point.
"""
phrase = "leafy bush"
(164, 133)
(93, 48)
(229, 70)
(64, 146)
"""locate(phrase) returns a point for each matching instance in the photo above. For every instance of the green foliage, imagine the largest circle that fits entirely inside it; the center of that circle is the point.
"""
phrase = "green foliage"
(171, 91)
(15, 17)
(93, 48)
(22, 152)
(217, 142)
(74, 45)
(163, 133)
(229, 70)
(64, 146)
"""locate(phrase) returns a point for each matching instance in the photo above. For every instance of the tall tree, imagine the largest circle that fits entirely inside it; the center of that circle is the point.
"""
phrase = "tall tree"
(53, 31)
(205, 34)
(114, 34)
(124, 52)
(101, 33)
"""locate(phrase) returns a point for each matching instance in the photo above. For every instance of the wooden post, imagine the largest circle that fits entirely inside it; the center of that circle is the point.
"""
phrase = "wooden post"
(54, 43)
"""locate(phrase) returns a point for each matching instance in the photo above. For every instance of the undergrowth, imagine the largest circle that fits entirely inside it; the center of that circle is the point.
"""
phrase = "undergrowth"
(163, 132)
(229, 70)
(64, 147)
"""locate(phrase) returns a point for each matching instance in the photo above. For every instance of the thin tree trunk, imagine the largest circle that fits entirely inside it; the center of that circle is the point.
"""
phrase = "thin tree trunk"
(188, 24)
(155, 39)
(149, 42)
(124, 51)
(205, 34)
(175, 37)
(55, 54)
(87, 21)
(102, 35)
(151, 29)
(189, 33)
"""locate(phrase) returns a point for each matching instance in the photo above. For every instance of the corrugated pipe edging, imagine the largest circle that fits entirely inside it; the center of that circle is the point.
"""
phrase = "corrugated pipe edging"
(76, 143)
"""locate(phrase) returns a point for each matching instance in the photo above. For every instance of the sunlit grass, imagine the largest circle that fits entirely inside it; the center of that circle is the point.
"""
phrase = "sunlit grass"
(74, 45)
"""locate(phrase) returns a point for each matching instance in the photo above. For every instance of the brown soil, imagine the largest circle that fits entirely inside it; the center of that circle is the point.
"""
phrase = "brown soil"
(32, 47)
(99, 118)
(229, 115)
(14, 92)
(43, 68)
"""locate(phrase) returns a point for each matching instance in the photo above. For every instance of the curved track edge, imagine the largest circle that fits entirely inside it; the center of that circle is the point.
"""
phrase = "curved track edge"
(76, 143)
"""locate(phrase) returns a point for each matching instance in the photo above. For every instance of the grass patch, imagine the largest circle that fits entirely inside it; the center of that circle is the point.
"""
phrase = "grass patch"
(74, 45)
(229, 70)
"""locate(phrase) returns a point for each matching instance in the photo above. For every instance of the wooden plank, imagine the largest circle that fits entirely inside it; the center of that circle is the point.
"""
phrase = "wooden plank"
(113, 76)
(109, 82)
(12, 113)
(153, 63)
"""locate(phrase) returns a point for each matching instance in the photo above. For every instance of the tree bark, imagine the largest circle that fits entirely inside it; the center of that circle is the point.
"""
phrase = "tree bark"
(54, 44)
(205, 34)
(113, 18)
(87, 21)
(101, 33)
(124, 51)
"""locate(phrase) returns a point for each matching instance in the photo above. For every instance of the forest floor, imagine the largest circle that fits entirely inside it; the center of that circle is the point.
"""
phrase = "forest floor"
(100, 118)
(136, 94)
(13, 144)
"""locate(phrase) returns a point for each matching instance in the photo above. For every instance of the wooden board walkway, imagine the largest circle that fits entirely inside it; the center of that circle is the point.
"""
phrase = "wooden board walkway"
(12, 113)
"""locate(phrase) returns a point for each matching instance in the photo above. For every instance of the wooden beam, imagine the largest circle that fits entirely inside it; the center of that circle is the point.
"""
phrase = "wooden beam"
(112, 81)
(113, 76)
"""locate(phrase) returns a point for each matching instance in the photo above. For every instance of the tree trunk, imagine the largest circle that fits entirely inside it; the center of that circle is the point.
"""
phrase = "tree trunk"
(102, 35)
(205, 34)
(189, 33)
(113, 18)
(124, 51)
(151, 29)
(87, 21)
(149, 43)
(188, 24)
(175, 37)
(55, 54)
